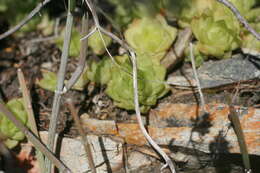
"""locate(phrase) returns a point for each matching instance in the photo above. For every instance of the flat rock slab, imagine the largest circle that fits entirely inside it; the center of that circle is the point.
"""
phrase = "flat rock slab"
(176, 125)
(217, 73)
(107, 154)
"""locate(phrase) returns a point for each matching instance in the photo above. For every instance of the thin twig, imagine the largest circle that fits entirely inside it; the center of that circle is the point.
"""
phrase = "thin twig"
(60, 82)
(35, 140)
(25, 20)
(28, 107)
(83, 135)
(240, 18)
(99, 29)
(83, 54)
(140, 122)
(197, 78)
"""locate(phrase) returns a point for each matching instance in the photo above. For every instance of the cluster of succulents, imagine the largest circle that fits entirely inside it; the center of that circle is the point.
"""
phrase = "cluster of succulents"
(9, 133)
(150, 38)
(215, 27)
(216, 30)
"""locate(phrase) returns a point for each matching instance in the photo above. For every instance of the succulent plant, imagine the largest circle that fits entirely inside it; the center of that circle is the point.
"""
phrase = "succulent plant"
(150, 83)
(151, 37)
(215, 37)
(250, 44)
(8, 130)
(187, 10)
(96, 44)
(82, 81)
(74, 43)
(198, 56)
(49, 80)
(100, 72)
(125, 11)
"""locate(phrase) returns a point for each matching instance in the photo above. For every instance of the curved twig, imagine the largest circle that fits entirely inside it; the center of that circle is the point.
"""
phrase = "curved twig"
(140, 122)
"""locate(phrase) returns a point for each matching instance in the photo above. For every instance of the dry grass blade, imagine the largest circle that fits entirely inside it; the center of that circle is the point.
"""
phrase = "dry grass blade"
(83, 135)
(28, 107)
(233, 116)
(83, 54)
(197, 79)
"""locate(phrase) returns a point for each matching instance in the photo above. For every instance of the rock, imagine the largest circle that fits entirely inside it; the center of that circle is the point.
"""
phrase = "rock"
(107, 154)
(178, 125)
(137, 160)
(218, 73)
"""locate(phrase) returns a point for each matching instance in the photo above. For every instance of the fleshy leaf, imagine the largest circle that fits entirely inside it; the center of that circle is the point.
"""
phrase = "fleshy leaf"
(253, 15)
(49, 80)
(151, 36)
(199, 58)
(250, 44)
(150, 86)
(126, 10)
(214, 37)
(187, 10)
(96, 44)
(7, 129)
(75, 42)
(100, 72)
(82, 81)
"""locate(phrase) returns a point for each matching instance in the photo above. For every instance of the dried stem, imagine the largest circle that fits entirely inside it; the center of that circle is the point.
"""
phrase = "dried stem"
(28, 107)
(35, 141)
(99, 29)
(233, 116)
(60, 82)
(83, 135)
(197, 78)
(25, 20)
(83, 54)
(240, 17)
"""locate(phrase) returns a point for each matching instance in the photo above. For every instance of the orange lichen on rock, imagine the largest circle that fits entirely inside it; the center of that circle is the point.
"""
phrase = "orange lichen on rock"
(178, 125)
(131, 133)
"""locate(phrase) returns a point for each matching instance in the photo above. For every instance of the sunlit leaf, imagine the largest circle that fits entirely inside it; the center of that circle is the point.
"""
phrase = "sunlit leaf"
(151, 37)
